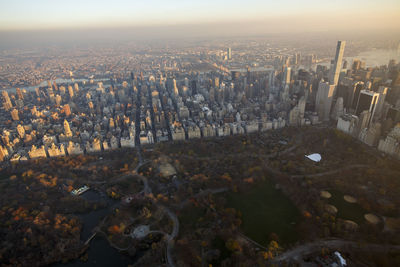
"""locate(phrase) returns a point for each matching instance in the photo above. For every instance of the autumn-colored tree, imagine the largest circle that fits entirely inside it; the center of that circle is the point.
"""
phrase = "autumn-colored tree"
(233, 245)
(114, 229)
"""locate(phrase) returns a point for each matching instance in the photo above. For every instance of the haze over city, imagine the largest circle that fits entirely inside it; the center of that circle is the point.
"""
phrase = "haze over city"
(200, 133)
(309, 15)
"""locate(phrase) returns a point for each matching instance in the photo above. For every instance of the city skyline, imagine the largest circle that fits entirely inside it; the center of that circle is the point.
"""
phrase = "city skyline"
(200, 133)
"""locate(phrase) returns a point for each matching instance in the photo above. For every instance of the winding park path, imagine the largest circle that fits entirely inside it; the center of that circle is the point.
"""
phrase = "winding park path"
(171, 237)
(297, 253)
(147, 190)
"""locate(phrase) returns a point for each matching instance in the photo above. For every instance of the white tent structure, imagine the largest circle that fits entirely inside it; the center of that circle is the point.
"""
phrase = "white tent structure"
(314, 157)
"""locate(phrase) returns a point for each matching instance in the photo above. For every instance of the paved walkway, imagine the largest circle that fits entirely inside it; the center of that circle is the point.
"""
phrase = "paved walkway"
(299, 252)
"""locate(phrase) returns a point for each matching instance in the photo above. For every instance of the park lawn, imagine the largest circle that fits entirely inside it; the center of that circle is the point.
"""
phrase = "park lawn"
(266, 210)
(347, 211)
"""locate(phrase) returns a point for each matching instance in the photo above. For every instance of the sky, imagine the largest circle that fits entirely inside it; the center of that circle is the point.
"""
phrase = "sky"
(22, 15)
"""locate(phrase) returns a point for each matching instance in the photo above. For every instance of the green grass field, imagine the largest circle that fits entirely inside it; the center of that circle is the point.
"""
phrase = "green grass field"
(266, 210)
(347, 211)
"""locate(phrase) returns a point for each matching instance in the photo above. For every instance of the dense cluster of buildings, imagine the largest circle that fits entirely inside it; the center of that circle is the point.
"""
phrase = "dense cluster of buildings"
(178, 103)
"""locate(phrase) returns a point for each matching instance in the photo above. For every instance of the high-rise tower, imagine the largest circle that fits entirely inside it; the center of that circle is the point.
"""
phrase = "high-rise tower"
(67, 130)
(7, 102)
(286, 76)
(323, 101)
(337, 64)
(229, 53)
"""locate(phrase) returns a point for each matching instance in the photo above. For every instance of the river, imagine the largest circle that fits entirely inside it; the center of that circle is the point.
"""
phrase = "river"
(58, 81)
(377, 57)
(372, 58)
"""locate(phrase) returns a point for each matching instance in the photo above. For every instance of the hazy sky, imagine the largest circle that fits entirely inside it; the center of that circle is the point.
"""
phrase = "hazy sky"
(312, 14)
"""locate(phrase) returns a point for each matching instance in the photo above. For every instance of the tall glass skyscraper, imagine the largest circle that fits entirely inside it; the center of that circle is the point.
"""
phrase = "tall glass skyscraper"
(337, 65)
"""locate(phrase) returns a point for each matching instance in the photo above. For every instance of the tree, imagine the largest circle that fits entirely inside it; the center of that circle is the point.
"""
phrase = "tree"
(233, 245)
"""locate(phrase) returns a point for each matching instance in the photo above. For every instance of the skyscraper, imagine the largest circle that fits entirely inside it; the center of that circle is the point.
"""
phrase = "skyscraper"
(67, 130)
(367, 100)
(3, 153)
(382, 91)
(21, 131)
(19, 93)
(6, 101)
(337, 64)
(286, 76)
(70, 91)
(323, 101)
(229, 53)
(67, 110)
(14, 115)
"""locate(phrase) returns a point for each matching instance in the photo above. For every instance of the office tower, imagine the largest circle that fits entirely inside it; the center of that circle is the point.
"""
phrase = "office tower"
(14, 115)
(337, 64)
(338, 109)
(229, 53)
(364, 120)
(286, 76)
(58, 100)
(19, 103)
(367, 100)
(3, 153)
(212, 94)
(19, 93)
(271, 79)
(50, 92)
(248, 75)
(55, 87)
(286, 61)
(175, 88)
(396, 79)
(21, 131)
(323, 101)
(62, 90)
(216, 82)
(67, 110)
(393, 114)
(392, 64)
(111, 123)
(67, 130)
(382, 91)
(356, 65)
(70, 91)
(6, 100)
(296, 59)
(296, 115)
(355, 93)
